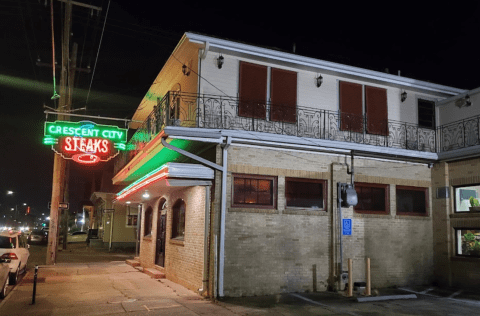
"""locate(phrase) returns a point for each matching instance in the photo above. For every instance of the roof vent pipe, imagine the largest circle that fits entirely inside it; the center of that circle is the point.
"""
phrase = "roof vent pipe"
(399, 73)
(294, 48)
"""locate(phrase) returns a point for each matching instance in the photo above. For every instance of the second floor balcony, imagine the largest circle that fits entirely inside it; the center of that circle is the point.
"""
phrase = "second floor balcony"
(225, 112)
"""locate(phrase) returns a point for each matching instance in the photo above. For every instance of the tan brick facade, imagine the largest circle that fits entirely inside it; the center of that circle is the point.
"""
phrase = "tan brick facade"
(183, 259)
(452, 270)
(286, 250)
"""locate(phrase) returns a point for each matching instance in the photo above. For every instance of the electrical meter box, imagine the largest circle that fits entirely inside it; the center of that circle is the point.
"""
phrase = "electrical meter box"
(349, 196)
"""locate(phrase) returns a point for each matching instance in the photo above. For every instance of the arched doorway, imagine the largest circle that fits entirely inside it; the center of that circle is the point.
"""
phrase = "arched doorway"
(161, 233)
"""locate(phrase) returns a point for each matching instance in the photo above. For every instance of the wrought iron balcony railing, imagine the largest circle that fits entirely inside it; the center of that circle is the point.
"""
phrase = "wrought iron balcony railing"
(224, 112)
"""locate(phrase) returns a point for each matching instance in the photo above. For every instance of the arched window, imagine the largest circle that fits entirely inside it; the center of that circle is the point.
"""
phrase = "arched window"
(148, 221)
(178, 220)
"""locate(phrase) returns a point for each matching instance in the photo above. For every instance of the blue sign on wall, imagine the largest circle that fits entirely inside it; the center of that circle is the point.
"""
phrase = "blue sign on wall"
(346, 227)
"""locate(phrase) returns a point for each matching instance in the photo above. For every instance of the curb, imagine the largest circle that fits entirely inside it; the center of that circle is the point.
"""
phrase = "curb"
(14, 289)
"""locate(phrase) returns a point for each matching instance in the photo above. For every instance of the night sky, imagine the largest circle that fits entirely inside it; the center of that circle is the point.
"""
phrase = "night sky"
(436, 43)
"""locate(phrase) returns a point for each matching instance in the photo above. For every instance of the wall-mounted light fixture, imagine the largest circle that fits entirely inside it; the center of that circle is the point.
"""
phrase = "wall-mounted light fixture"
(220, 61)
(146, 195)
(403, 96)
(319, 80)
(468, 102)
(185, 70)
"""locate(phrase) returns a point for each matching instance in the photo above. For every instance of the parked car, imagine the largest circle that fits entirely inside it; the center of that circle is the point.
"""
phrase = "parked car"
(77, 237)
(4, 276)
(37, 236)
(13, 246)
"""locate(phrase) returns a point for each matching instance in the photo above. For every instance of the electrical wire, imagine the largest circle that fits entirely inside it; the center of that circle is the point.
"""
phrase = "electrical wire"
(98, 52)
(55, 95)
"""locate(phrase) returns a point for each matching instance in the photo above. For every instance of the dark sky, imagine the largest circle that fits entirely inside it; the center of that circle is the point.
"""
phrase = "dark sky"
(436, 43)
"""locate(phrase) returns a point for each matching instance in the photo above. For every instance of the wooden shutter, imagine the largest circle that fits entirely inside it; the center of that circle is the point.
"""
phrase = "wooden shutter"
(351, 114)
(283, 95)
(253, 90)
(376, 110)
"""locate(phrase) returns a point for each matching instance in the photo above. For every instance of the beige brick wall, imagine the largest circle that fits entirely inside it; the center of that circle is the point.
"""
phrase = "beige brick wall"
(183, 259)
(285, 250)
(451, 270)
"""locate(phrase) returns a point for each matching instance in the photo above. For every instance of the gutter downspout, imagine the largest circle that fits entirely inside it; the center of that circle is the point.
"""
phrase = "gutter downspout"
(205, 242)
(111, 232)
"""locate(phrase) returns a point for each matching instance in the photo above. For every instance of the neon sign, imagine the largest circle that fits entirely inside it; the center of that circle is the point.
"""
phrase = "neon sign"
(85, 142)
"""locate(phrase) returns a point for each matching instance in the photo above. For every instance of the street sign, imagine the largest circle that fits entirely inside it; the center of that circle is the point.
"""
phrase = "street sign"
(63, 206)
(108, 210)
(346, 227)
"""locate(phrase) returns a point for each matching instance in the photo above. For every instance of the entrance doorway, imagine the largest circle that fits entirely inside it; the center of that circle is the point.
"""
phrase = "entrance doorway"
(161, 234)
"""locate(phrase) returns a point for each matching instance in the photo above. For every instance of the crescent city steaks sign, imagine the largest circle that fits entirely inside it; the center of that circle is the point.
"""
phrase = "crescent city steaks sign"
(85, 142)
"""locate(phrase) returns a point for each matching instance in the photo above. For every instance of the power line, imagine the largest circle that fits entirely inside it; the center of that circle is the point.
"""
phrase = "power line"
(98, 52)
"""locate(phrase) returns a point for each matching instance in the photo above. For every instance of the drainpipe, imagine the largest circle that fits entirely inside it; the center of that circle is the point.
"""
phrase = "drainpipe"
(205, 242)
(221, 256)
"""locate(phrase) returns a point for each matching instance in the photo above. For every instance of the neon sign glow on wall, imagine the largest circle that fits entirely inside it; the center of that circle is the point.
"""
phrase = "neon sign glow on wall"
(85, 142)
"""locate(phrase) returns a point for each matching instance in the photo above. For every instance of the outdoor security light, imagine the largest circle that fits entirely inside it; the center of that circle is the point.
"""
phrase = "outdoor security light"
(146, 195)
(468, 102)
(220, 61)
(403, 95)
(319, 81)
(185, 70)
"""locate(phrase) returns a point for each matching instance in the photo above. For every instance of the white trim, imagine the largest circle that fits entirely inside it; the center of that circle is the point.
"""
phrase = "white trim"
(321, 65)
(459, 96)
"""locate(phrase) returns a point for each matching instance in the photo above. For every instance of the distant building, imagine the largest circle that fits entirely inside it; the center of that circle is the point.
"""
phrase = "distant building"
(237, 164)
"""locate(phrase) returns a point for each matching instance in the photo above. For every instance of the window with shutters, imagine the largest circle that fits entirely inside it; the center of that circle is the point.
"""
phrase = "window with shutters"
(376, 110)
(426, 113)
(254, 191)
(306, 193)
(253, 85)
(373, 198)
(252, 90)
(352, 113)
(351, 107)
(283, 95)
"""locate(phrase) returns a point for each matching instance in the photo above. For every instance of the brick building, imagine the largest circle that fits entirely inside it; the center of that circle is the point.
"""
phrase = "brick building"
(238, 161)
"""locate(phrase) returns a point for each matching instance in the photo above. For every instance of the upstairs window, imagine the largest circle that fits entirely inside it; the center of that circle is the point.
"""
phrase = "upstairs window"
(373, 198)
(426, 114)
(283, 95)
(412, 200)
(254, 191)
(376, 110)
(252, 90)
(351, 107)
(305, 193)
(253, 84)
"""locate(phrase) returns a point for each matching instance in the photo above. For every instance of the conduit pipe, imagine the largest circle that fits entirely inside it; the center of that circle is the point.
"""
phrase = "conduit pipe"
(220, 251)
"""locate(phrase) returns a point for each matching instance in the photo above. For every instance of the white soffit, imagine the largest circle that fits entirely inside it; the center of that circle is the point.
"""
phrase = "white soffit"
(169, 175)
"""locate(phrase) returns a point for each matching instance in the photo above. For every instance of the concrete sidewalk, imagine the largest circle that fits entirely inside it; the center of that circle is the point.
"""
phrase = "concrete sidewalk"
(113, 288)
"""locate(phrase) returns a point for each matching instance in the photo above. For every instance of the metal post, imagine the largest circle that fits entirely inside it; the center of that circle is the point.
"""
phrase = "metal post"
(34, 285)
(350, 278)
(368, 289)
(324, 121)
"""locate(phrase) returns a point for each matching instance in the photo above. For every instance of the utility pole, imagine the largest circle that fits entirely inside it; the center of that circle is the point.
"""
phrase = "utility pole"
(59, 164)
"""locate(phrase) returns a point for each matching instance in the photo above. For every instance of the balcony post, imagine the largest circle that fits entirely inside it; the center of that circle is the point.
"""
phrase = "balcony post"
(167, 112)
(406, 136)
(324, 129)
(464, 135)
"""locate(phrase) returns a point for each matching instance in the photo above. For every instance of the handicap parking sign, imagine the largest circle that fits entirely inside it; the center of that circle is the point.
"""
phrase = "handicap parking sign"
(347, 227)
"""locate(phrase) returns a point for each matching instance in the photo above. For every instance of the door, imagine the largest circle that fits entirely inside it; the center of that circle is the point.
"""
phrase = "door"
(161, 235)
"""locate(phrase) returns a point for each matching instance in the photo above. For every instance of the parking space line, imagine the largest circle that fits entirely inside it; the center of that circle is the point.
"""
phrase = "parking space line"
(330, 308)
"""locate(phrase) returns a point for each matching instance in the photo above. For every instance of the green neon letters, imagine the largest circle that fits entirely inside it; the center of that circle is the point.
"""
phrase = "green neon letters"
(85, 129)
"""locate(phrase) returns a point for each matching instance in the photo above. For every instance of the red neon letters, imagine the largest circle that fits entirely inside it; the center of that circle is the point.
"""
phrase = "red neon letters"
(85, 150)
